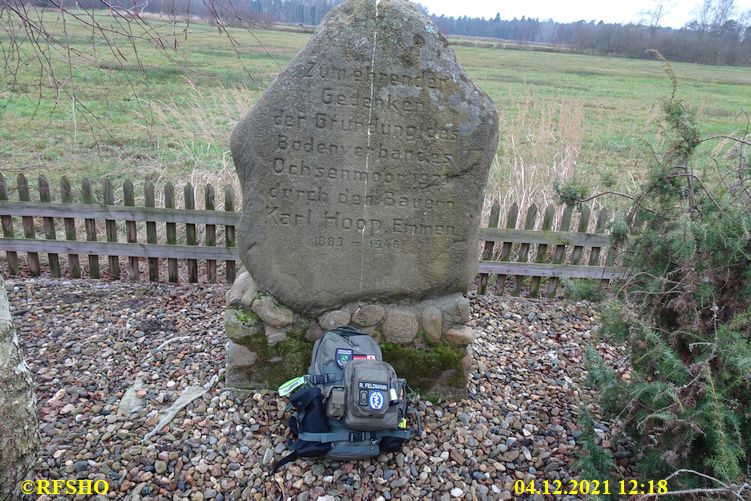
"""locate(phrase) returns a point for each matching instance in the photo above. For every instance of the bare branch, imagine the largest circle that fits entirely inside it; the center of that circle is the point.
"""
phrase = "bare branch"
(733, 490)
(720, 136)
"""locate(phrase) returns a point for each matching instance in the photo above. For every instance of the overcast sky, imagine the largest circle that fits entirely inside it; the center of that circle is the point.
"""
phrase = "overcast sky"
(678, 12)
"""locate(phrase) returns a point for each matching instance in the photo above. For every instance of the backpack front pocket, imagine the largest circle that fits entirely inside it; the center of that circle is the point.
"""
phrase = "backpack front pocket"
(369, 385)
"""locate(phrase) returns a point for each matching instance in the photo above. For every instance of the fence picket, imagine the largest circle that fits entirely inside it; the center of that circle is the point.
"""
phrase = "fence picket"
(210, 233)
(7, 222)
(66, 195)
(28, 225)
(150, 201)
(576, 254)
(529, 224)
(513, 215)
(229, 231)
(90, 225)
(542, 250)
(48, 224)
(129, 200)
(169, 203)
(190, 233)
(594, 255)
(560, 250)
(487, 253)
(110, 227)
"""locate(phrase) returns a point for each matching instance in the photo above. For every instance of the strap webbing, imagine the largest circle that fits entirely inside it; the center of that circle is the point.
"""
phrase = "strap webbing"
(286, 459)
(324, 378)
(347, 436)
(336, 436)
(419, 421)
(406, 435)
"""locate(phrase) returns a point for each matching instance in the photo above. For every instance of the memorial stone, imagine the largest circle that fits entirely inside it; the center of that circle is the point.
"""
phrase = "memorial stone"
(362, 169)
(363, 165)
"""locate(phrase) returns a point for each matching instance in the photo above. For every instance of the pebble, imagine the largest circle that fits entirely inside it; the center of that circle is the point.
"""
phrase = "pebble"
(87, 341)
(400, 482)
(160, 467)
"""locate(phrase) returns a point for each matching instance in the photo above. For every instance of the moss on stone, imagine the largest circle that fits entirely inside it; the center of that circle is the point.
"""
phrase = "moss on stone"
(247, 317)
(422, 367)
(282, 361)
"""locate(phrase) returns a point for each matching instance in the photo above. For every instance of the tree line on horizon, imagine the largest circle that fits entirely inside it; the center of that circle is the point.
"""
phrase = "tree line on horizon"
(717, 35)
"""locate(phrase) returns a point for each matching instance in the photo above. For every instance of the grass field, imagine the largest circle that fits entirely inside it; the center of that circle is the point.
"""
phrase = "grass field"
(167, 115)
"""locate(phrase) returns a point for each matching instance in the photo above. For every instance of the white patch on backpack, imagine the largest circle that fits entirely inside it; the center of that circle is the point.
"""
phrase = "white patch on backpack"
(376, 400)
(367, 385)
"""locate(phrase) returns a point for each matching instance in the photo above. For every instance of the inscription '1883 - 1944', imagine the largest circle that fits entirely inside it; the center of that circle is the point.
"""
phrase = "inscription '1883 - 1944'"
(367, 155)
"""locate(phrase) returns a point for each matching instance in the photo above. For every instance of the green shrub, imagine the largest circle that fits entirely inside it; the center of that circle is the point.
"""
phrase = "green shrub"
(685, 312)
(582, 289)
(594, 462)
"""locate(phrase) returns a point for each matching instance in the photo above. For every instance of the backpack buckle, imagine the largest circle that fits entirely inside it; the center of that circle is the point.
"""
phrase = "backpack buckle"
(358, 436)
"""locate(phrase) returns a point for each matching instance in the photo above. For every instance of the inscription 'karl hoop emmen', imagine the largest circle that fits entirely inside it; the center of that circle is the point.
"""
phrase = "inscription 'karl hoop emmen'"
(363, 165)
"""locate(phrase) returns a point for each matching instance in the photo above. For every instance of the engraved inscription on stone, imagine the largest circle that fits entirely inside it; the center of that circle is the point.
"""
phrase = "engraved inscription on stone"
(364, 163)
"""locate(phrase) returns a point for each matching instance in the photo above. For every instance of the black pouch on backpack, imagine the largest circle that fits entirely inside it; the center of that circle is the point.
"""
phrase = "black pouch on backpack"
(310, 417)
(394, 444)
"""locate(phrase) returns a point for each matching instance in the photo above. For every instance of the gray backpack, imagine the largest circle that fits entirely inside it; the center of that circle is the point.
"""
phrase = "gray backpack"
(352, 406)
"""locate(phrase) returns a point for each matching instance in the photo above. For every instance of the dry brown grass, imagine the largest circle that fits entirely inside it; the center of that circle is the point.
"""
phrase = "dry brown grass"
(540, 144)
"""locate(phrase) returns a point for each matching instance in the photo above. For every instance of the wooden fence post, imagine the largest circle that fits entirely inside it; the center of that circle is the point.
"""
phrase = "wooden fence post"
(487, 253)
(129, 200)
(150, 201)
(28, 225)
(49, 226)
(110, 226)
(542, 250)
(90, 225)
(190, 233)
(513, 214)
(169, 203)
(210, 233)
(7, 222)
(229, 230)
(529, 224)
(560, 250)
(66, 195)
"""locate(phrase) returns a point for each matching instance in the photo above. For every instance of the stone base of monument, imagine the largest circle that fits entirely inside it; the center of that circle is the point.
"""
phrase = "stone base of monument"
(427, 342)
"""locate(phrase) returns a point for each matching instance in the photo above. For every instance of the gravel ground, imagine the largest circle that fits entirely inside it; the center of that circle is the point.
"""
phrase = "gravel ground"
(88, 341)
